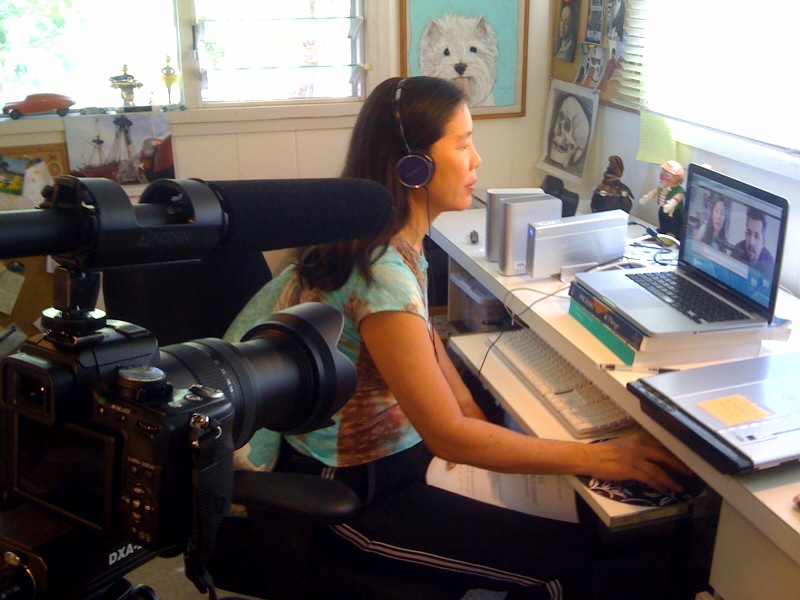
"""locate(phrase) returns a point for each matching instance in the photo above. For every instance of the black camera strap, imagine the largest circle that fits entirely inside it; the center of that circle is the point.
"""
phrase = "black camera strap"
(212, 485)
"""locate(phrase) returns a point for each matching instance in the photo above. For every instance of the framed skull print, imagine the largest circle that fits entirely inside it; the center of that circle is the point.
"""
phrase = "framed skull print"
(571, 117)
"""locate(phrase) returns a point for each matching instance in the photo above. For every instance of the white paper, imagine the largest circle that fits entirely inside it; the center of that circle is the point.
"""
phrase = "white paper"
(10, 286)
(548, 496)
(11, 338)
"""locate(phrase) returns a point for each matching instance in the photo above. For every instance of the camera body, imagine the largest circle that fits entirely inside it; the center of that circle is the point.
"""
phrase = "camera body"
(97, 434)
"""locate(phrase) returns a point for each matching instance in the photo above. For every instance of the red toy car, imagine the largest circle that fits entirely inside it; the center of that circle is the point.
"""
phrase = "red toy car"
(39, 103)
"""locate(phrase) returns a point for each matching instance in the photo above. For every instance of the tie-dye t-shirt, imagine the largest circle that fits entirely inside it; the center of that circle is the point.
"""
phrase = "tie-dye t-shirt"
(371, 425)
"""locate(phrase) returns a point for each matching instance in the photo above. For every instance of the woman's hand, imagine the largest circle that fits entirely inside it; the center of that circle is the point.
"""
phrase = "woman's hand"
(637, 456)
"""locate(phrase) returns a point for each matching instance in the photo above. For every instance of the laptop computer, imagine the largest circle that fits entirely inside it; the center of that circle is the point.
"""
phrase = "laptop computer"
(738, 262)
(741, 416)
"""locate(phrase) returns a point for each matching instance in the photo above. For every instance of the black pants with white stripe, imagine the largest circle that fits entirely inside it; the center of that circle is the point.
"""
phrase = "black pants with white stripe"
(432, 534)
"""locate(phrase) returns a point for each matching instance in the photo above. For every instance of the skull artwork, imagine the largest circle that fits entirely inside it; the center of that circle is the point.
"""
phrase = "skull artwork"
(570, 134)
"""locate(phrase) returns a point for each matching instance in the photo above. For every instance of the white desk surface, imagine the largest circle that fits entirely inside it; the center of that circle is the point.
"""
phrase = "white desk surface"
(764, 498)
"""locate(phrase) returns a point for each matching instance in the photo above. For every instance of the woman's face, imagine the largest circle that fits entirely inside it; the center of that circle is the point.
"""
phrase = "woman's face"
(566, 17)
(456, 162)
(718, 215)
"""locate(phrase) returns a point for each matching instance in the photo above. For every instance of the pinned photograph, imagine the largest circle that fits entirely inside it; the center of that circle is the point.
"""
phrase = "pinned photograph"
(593, 63)
(594, 25)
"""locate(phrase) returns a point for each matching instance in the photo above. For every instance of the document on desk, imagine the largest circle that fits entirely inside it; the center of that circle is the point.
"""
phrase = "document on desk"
(548, 496)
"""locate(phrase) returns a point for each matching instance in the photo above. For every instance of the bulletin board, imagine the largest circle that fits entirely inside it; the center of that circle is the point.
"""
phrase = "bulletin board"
(35, 295)
(54, 156)
(568, 71)
(36, 291)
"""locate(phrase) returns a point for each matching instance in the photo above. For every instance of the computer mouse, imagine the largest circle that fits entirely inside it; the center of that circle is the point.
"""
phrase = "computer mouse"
(635, 492)
(640, 494)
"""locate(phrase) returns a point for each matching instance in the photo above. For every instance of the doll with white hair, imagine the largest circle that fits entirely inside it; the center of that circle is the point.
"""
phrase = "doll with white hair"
(669, 194)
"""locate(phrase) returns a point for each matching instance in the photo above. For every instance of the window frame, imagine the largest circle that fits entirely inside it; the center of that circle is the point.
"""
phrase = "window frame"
(185, 25)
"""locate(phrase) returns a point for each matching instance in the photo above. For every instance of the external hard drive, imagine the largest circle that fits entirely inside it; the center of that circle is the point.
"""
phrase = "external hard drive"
(494, 216)
(574, 244)
(516, 213)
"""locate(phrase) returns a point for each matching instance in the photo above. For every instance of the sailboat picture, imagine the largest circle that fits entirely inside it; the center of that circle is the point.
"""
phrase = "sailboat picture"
(133, 148)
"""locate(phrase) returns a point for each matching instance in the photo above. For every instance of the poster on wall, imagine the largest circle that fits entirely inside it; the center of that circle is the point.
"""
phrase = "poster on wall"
(129, 148)
(571, 117)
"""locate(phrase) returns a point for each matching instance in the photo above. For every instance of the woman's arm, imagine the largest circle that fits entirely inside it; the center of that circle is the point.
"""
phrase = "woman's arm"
(462, 394)
(403, 352)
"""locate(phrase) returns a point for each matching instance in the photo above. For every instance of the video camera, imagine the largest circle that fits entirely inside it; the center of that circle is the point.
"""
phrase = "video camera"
(115, 450)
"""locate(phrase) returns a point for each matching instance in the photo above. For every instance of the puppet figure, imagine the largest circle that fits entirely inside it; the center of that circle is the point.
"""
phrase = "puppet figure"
(611, 193)
(669, 195)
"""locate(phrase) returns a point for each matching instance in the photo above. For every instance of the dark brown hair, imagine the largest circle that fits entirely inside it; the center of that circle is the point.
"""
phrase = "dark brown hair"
(427, 105)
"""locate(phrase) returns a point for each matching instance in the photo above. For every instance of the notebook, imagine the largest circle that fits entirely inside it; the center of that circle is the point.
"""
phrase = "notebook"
(740, 416)
(738, 262)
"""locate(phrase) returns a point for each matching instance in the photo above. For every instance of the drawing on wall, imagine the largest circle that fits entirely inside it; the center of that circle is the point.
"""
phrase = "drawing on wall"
(571, 116)
(129, 148)
(479, 46)
(567, 30)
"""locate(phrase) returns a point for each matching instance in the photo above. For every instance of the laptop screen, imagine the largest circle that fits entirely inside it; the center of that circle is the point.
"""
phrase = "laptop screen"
(734, 233)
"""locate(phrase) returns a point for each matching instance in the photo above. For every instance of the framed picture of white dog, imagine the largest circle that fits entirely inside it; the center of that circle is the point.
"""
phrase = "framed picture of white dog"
(479, 45)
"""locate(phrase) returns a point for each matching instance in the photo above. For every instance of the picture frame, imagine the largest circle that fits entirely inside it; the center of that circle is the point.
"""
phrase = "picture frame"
(497, 32)
(571, 119)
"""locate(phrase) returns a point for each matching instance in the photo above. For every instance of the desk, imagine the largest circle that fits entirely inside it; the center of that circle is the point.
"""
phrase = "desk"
(760, 503)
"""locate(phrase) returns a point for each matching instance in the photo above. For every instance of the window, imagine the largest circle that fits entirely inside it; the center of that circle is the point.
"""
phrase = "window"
(717, 63)
(223, 51)
(299, 49)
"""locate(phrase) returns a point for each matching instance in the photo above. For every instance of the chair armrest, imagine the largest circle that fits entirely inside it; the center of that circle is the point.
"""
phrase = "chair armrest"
(309, 496)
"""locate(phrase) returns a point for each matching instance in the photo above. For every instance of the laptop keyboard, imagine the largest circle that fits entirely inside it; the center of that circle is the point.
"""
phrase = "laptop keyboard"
(693, 301)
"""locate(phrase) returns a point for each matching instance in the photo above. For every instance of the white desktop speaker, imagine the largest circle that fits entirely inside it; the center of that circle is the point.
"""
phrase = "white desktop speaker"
(572, 244)
(494, 221)
(515, 215)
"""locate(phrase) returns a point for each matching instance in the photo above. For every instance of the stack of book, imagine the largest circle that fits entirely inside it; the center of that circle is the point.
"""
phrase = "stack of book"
(634, 347)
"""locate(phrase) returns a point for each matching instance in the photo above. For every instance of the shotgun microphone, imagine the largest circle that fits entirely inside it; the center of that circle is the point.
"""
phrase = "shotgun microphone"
(89, 223)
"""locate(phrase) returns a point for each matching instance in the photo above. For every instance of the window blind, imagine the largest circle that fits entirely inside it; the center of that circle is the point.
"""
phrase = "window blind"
(722, 64)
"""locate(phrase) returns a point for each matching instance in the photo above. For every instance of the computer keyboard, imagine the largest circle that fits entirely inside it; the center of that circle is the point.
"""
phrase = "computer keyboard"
(582, 407)
(687, 297)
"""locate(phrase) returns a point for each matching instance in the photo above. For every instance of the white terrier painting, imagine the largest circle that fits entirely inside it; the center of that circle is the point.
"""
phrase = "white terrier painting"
(464, 50)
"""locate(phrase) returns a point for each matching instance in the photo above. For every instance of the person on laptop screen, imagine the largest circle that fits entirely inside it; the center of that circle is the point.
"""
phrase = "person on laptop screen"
(715, 232)
(751, 249)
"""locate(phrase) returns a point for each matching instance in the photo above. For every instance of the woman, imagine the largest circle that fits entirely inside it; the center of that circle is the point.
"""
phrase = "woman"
(410, 402)
(715, 231)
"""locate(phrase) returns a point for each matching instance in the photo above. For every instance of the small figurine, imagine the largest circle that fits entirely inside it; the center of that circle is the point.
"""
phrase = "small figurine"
(669, 195)
(126, 84)
(611, 193)
(169, 76)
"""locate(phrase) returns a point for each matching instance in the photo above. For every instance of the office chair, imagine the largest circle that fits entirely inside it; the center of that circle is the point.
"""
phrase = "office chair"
(298, 557)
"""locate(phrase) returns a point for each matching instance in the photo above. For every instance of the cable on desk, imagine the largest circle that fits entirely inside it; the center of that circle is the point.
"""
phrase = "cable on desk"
(514, 318)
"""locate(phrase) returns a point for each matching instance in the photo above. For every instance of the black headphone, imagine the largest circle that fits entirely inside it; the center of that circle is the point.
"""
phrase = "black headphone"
(415, 169)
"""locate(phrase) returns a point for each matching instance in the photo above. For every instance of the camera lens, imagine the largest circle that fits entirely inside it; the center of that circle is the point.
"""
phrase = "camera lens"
(286, 375)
